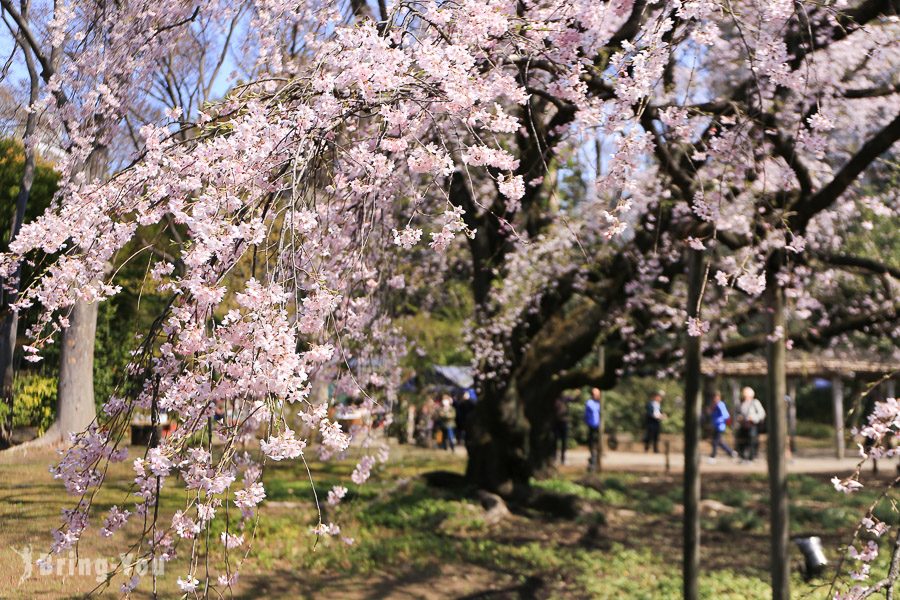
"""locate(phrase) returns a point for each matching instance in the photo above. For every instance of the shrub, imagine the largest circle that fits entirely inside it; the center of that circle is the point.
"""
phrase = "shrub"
(34, 401)
(742, 520)
(812, 429)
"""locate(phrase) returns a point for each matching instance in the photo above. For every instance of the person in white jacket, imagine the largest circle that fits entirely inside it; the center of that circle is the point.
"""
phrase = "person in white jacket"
(750, 414)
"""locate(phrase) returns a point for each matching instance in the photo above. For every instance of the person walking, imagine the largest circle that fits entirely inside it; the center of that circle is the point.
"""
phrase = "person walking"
(561, 426)
(593, 420)
(653, 421)
(464, 409)
(425, 424)
(448, 421)
(718, 418)
(750, 414)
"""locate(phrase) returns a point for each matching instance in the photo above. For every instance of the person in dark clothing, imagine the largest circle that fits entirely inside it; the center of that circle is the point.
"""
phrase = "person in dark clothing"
(593, 420)
(561, 426)
(653, 424)
(464, 409)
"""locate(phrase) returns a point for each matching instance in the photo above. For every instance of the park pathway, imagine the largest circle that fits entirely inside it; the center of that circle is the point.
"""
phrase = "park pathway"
(577, 458)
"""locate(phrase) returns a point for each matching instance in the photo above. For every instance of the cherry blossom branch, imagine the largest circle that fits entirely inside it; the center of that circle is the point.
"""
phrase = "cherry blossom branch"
(874, 147)
(860, 262)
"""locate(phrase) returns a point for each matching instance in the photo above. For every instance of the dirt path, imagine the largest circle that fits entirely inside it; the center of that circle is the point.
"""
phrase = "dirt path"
(639, 461)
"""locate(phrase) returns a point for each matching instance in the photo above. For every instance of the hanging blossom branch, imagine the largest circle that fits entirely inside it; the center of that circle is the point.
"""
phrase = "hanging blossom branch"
(882, 424)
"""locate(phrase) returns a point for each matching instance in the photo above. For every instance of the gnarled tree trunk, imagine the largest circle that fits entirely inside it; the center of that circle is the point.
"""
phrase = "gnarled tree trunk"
(512, 436)
(498, 442)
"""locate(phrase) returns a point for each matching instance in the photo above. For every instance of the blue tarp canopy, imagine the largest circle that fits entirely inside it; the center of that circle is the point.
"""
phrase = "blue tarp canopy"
(456, 377)
(461, 377)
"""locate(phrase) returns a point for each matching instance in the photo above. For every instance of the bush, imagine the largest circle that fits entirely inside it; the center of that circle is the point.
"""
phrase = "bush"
(741, 520)
(564, 487)
(812, 429)
(660, 505)
(34, 401)
(735, 497)
(828, 519)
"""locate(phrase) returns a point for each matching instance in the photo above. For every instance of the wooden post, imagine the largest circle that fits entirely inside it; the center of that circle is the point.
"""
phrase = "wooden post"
(891, 388)
(837, 397)
(792, 417)
(776, 351)
(601, 359)
(735, 393)
(693, 405)
(668, 461)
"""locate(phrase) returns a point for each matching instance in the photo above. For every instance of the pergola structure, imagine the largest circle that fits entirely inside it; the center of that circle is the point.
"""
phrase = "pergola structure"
(797, 369)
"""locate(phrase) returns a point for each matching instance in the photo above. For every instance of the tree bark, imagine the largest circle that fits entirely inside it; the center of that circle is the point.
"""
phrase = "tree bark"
(692, 408)
(75, 403)
(511, 432)
(777, 430)
(497, 442)
(75, 399)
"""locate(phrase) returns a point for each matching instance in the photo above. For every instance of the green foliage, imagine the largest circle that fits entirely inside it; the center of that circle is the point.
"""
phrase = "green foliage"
(12, 161)
(626, 406)
(44, 186)
(829, 518)
(887, 511)
(564, 486)
(812, 429)
(741, 520)
(660, 505)
(877, 236)
(640, 574)
(34, 402)
(119, 318)
(439, 338)
(735, 497)
(112, 346)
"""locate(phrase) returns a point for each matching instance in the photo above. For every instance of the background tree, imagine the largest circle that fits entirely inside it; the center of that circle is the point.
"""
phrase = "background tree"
(41, 186)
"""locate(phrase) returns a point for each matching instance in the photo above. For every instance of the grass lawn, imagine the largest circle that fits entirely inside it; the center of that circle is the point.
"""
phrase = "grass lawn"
(416, 541)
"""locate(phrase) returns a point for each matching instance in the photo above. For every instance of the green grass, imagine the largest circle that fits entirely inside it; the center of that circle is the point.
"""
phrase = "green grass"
(405, 533)
(640, 575)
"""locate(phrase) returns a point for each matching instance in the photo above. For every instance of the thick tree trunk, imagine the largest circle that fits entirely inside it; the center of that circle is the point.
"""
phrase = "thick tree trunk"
(692, 408)
(512, 430)
(75, 404)
(75, 394)
(777, 430)
(498, 442)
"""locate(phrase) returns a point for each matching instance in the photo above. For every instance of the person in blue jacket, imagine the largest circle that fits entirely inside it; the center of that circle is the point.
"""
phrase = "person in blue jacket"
(718, 417)
(592, 419)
